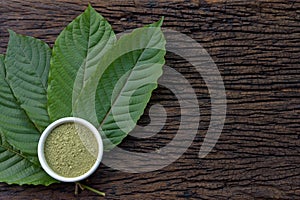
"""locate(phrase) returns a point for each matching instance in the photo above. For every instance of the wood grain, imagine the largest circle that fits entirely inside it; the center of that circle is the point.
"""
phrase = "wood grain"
(255, 45)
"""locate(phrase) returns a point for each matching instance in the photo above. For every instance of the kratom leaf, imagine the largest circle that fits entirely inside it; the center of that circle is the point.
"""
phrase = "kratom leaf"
(27, 65)
(18, 141)
(129, 72)
(76, 53)
(17, 168)
(14, 122)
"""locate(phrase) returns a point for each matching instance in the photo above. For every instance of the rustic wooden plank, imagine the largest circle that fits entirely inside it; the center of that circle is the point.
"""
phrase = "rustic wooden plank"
(255, 45)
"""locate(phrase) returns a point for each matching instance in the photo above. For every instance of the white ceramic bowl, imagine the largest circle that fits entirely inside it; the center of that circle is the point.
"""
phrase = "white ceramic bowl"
(44, 136)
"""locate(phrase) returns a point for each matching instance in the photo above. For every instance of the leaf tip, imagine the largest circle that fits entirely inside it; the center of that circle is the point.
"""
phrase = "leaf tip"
(158, 23)
(90, 7)
(11, 32)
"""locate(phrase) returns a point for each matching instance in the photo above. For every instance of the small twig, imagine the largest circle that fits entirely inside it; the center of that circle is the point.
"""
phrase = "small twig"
(76, 189)
(82, 187)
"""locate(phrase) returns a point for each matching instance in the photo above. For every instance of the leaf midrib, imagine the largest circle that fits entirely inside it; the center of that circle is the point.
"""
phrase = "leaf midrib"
(17, 153)
(87, 54)
(87, 51)
(84, 63)
(117, 97)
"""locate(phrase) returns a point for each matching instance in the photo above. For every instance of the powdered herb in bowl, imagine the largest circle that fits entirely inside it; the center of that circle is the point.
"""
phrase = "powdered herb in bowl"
(70, 149)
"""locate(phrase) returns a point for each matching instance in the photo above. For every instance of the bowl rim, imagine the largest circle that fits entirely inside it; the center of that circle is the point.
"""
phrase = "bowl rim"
(44, 136)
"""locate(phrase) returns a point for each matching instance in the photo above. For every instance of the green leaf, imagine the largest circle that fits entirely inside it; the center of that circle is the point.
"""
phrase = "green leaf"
(18, 141)
(17, 168)
(27, 66)
(14, 122)
(76, 53)
(129, 72)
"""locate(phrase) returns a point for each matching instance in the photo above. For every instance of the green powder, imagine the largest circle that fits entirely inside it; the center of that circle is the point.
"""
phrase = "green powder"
(71, 150)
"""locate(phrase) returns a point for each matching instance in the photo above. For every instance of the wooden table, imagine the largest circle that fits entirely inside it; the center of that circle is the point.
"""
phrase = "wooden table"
(256, 47)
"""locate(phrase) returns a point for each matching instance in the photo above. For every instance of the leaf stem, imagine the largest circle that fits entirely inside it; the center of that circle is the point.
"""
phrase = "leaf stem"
(76, 189)
(82, 187)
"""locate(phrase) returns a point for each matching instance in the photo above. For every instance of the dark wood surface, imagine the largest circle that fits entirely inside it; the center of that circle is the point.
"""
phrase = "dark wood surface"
(256, 46)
